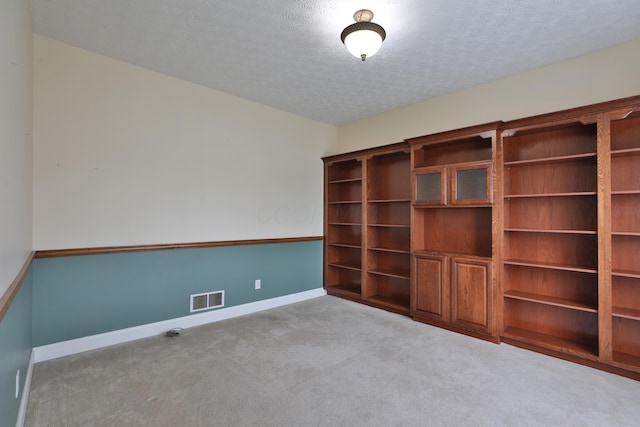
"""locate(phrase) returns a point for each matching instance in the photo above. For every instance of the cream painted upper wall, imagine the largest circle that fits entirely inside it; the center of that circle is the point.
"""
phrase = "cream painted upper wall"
(601, 76)
(126, 156)
(16, 108)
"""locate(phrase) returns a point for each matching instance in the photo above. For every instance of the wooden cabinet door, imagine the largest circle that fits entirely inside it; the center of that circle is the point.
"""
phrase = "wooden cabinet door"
(432, 287)
(472, 184)
(430, 186)
(472, 294)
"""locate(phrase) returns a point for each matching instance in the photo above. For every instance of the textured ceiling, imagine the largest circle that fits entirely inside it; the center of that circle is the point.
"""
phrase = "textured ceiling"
(288, 54)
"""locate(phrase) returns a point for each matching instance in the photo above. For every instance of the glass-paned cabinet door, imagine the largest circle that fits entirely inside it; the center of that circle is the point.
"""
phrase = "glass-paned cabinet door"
(430, 186)
(471, 184)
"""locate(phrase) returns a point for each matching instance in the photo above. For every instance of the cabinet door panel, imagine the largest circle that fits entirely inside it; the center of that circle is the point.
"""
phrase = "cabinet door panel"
(432, 286)
(471, 294)
(472, 184)
(430, 187)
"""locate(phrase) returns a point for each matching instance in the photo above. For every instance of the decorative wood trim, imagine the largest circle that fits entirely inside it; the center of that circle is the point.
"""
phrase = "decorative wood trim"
(14, 287)
(52, 253)
(571, 358)
(484, 131)
(367, 151)
(586, 114)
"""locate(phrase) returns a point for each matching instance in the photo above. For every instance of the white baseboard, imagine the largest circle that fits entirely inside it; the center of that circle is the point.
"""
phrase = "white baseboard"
(93, 342)
(22, 412)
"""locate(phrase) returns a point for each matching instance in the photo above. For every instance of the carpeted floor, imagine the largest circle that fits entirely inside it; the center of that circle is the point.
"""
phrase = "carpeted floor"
(324, 362)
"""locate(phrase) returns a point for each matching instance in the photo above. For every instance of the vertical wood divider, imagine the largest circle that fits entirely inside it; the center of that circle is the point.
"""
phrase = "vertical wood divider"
(604, 238)
(498, 230)
(364, 267)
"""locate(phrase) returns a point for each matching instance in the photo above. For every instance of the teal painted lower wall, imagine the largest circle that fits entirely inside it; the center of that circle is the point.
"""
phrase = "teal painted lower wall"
(15, 351)
(79, 296)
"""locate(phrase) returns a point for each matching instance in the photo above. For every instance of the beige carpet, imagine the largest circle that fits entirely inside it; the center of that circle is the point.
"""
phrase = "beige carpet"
(325, 362)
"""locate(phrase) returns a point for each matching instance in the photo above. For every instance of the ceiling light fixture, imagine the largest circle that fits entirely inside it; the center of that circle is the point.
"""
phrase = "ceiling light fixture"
(364, 38)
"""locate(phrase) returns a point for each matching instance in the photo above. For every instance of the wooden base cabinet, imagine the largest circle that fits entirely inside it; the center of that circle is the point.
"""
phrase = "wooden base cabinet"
(453, 227)
(455, 292)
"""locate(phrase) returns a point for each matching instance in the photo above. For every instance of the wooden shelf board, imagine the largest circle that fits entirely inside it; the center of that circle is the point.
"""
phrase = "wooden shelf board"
(344, 245)
(616, 153)
(342, 181)
(348, 288)
(551, 266)
(627, 273)
(390, 201)
(390, 225)
(344, 223)
(552, 342)
(530, 196)
(532, 230)
(626, 233)
(550, 159)
(390, 273)
(627, 313)
(398, 304)
(549, 300)
(426, 252)
(627, 359)
(397, 251)
(345, 266)
(345, 202)
(624, 192)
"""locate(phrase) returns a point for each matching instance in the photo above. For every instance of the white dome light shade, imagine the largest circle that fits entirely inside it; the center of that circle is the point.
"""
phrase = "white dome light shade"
(363, 43)
(364, 38)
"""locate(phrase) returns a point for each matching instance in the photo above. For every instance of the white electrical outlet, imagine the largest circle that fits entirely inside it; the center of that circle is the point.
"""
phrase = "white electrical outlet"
(258, 283)
(18, 383)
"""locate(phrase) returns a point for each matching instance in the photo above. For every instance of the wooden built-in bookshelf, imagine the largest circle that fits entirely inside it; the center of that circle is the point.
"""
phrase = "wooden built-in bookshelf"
(525, 231)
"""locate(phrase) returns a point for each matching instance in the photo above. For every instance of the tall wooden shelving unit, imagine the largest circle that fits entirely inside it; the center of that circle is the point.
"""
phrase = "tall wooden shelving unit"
(454, 223)
(625, 240)
(572, 235)
(550, 241)
(367, 226)
(388, 219)
(526, 232)
(343, 227)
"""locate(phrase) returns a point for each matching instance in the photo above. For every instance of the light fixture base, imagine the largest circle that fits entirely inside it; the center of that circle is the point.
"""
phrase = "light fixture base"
(363, 15)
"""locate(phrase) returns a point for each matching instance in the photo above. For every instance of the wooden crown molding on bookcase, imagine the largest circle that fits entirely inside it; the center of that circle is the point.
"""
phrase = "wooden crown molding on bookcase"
(585, 114)
(483, 131)
(145, 248)
(14, 287)
(367, 151)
